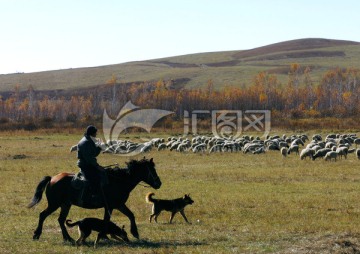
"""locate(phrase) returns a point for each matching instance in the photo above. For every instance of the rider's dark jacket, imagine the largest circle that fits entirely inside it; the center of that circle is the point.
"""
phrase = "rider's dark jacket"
(87, 153)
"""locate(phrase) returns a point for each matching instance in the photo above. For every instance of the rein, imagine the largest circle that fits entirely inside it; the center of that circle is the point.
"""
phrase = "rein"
(152, 176)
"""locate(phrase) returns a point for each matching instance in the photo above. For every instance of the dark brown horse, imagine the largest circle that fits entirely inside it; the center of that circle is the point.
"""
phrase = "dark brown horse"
(61, 193)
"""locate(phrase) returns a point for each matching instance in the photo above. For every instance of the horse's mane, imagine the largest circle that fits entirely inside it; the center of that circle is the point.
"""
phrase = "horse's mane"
(117, 172)
(135, 163)
(132, 164)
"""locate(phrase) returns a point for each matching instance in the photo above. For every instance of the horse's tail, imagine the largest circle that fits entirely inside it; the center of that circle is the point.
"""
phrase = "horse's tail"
(39, 191)
(69, 224)
(149, 198)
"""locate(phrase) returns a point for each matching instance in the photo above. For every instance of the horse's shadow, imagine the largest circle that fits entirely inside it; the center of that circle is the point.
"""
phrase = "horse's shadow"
(146, 243)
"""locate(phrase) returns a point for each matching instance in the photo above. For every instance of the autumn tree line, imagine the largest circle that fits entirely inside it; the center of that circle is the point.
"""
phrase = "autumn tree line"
(336, 96)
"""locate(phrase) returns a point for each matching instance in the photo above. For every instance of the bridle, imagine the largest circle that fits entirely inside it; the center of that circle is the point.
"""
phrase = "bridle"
(154, 178)
(150, 177)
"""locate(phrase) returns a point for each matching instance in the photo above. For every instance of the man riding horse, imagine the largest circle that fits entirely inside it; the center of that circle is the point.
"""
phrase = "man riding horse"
(88, 150)
(61, 193)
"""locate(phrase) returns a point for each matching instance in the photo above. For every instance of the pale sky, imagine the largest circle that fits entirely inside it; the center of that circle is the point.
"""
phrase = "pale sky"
(40, 35)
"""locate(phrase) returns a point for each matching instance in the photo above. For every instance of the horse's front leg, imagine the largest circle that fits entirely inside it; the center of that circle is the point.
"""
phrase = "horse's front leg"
(62, 217)
(133, 228)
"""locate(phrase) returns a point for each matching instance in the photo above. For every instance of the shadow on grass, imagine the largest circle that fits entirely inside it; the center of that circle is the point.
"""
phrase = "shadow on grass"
(145, 243)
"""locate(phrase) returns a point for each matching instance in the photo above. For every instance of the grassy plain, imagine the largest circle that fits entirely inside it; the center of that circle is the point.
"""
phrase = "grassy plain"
(243, 203)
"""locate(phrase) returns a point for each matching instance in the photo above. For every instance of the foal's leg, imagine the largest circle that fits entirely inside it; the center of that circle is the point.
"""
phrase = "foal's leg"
(65, 208)
(133, 228)
(43, 215)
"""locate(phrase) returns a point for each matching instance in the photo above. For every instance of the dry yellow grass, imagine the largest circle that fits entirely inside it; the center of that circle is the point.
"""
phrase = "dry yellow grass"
(243, 203)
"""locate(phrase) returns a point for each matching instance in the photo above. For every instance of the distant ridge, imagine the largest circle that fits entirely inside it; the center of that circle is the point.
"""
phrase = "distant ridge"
(234, 68)
(300, 44)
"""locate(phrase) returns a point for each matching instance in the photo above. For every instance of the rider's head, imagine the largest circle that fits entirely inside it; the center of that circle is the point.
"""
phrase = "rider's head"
(91, 131)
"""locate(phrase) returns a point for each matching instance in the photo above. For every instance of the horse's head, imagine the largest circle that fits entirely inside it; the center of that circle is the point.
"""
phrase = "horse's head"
(149, 174)
(152, 177)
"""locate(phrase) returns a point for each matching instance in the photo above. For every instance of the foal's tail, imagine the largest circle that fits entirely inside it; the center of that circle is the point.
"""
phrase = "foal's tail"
(39, 191)
(70, 225)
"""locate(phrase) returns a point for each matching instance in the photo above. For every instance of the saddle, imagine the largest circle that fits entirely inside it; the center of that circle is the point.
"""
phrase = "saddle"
(79, 181)
(87, 194)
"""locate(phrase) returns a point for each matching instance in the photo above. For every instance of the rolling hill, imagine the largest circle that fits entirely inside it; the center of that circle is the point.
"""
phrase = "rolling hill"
(236, 68)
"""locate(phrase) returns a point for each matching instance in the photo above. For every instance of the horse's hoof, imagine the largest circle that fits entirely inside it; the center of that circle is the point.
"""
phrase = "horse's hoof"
(69, 240)
(36, 237)
(134, 232)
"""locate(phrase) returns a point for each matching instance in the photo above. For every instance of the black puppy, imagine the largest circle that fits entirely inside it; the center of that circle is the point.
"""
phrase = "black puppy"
(174, 206)
(85, 226)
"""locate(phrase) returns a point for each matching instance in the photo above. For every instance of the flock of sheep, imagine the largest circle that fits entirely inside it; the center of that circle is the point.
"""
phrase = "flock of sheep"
(331, 147)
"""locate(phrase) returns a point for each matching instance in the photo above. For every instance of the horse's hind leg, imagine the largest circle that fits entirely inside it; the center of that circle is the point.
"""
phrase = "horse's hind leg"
(62, 217)
(43, 215)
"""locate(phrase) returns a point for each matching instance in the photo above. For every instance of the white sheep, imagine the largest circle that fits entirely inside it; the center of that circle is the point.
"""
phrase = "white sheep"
(199, 148)
(182, 147)
(215, 148)
(174, 145)
(342, 151)
(293, 149)
(352, 150)
(146, 148)
(357, 141)
(110, 149)
(331, 155)
(316, 137)
(307, 152)
(297, 141)
(161, 146)
(284, 151)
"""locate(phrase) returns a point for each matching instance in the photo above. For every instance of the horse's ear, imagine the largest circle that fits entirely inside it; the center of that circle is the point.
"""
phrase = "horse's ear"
(151, 160)
(123, 227)
(144, 158)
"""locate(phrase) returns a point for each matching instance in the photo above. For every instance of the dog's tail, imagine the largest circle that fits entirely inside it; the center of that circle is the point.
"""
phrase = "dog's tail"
(70, 225)
(149, 198)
